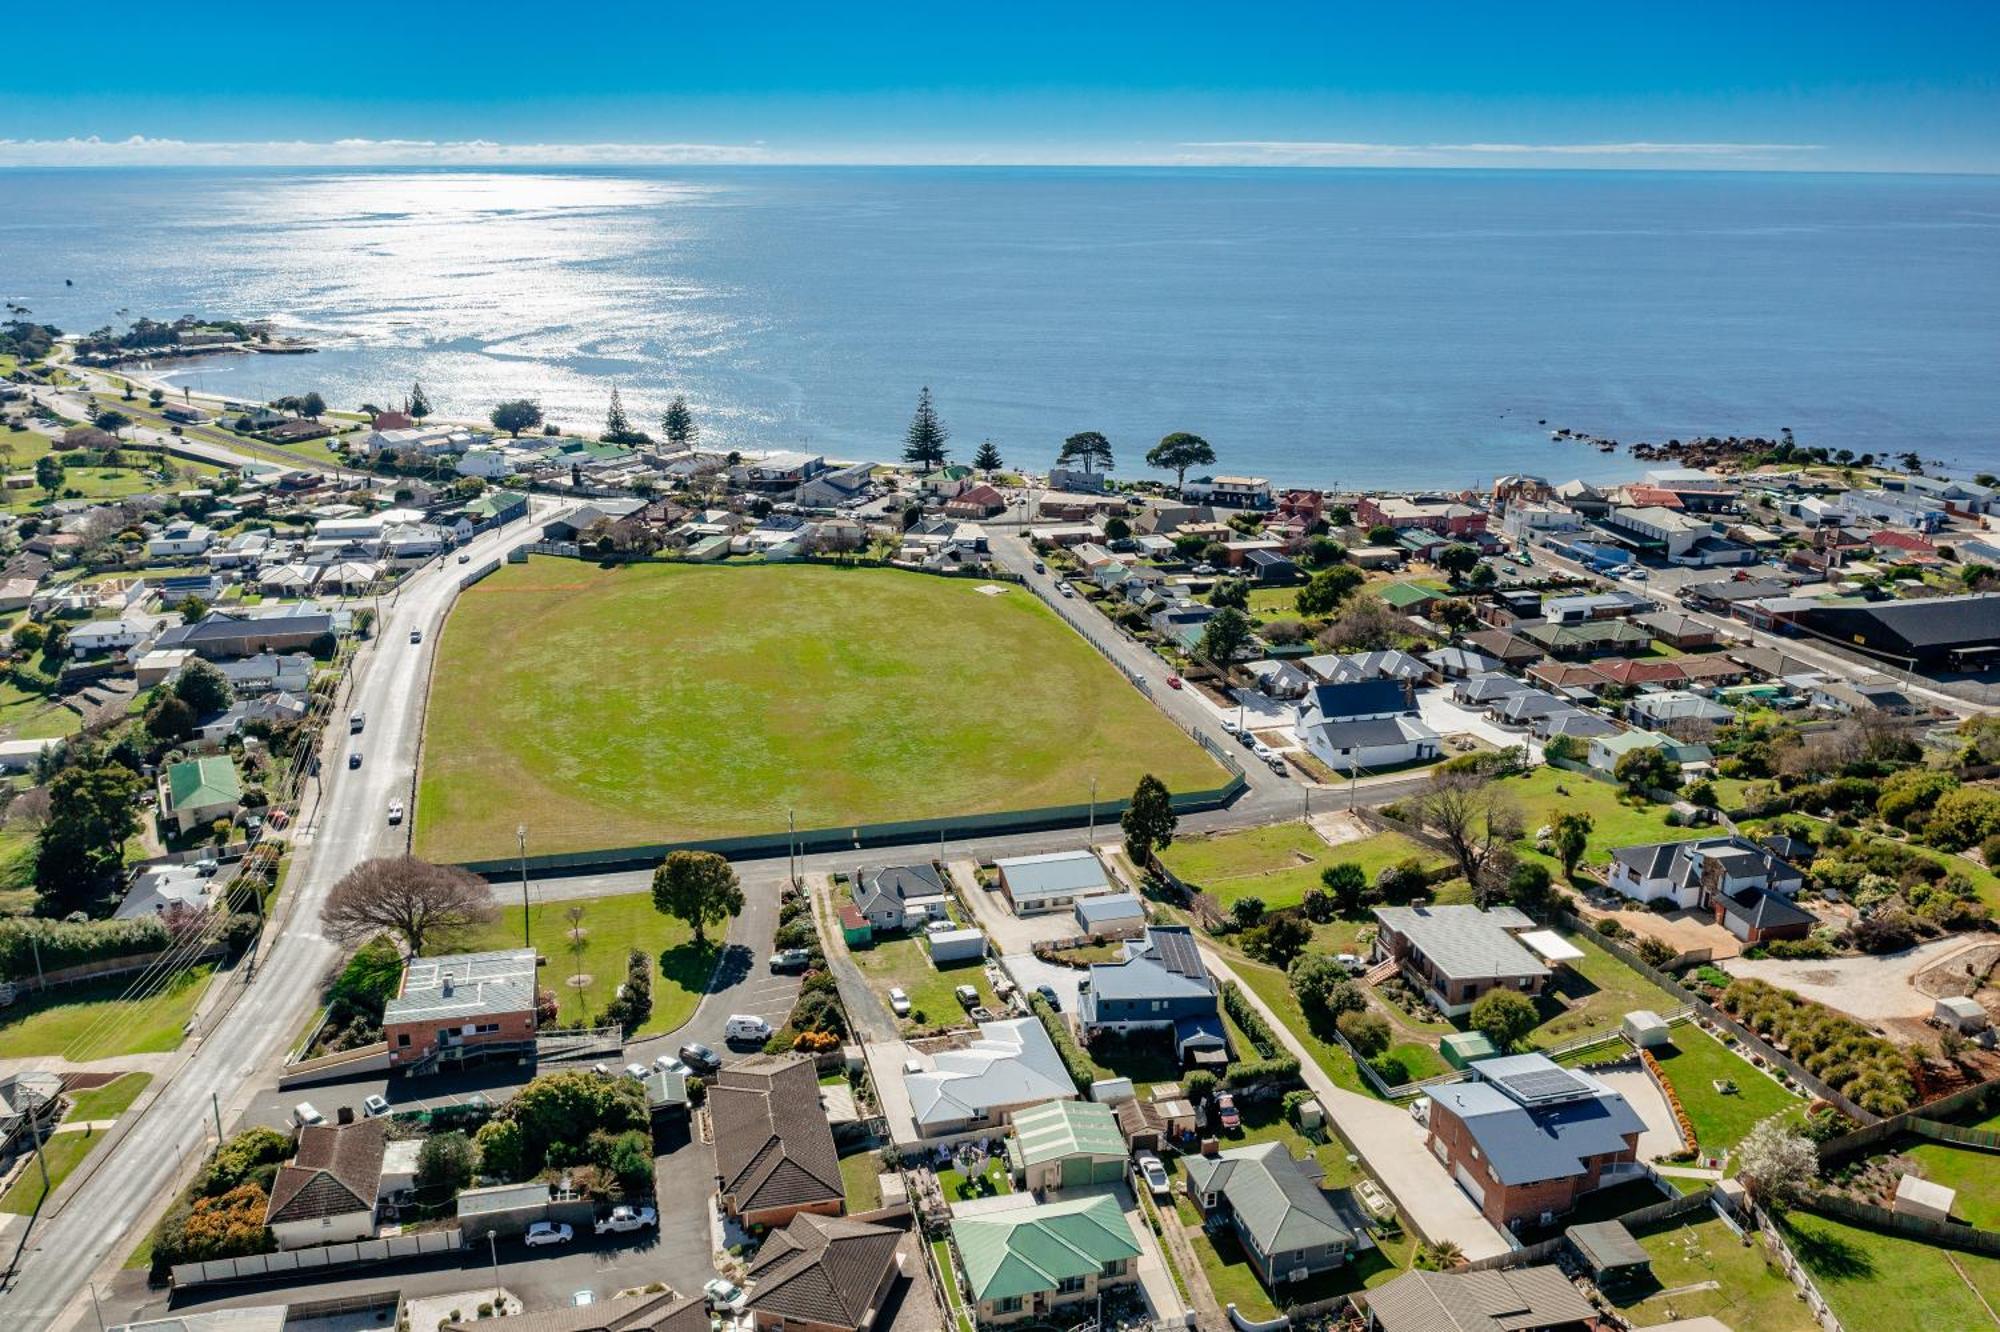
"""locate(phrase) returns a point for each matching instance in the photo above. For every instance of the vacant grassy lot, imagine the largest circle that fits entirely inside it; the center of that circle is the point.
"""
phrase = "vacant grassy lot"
(1616, 819)
(1280, 862)
(63, 1152)
(1752, 1291)
(1694, 1063)
(1596, 992)
(1886, 1283)
(611, 926)
(95, 1021)
(663, 703)
(109, 1101)
(906, 964)
(861, 1177)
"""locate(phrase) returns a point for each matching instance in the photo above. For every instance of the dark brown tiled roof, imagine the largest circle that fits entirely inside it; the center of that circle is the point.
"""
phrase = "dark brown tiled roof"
(773, 1145)
(666, 1312)
(823, 1269)
(338, 1169)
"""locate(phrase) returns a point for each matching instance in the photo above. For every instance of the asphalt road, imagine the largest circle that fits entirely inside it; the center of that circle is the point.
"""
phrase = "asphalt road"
(345, 823)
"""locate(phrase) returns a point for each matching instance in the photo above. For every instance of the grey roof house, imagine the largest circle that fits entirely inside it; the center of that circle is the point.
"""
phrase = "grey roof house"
(1521, 1299)
(1273, 1203)
(1455, 954)
(1746, 886)
(1159, 988)
(1364, 724)
(893, 896)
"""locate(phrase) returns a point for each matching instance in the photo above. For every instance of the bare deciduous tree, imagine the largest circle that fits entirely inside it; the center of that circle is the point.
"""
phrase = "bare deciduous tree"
(1472, 814)
(413, 899)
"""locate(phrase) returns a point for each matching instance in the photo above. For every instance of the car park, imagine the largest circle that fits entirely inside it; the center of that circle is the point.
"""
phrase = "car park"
(700, 1058)
(624, 1220)
(899, 1002)
(1158, 1183)
(548, 1232)
(723, 1296)
(373, 1106)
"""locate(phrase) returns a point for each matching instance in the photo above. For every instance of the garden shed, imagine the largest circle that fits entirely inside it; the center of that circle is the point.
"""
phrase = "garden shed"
(1461, 1048)
(957, 946)
(1923, 1198)
(1961, 1013)
(1646, 1029)
(854, 926)
(1608, 1251)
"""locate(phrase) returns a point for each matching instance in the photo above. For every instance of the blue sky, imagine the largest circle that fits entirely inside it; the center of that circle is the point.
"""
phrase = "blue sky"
(1825, 86)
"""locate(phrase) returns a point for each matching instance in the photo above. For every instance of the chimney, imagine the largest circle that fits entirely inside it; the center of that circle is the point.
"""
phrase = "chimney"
(445, 986)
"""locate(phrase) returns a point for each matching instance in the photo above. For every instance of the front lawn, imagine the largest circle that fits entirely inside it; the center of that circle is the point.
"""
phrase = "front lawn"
(906, 964)
(611, 925)
(1713, 1274)
(1278, 863)
(1885, 1283)
(926, 697)
(1616, 819)
(111, 1100)
(1596, 992)
(63, 1152)
(1694, 1063)
(95, 1020)
(860, 1176)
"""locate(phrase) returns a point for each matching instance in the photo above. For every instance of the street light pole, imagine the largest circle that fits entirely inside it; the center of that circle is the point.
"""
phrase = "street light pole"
(493, 1247)
(1093, 811)
(95, 1307)
(521, 837)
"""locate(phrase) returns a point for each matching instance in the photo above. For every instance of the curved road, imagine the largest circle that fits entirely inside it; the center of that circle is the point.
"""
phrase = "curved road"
(349, 824)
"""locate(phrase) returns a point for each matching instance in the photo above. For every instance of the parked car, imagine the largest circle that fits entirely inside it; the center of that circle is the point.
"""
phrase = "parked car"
(700, 1058)
(464, 558)
(548, 1232)
(1246, 739)
(416, 635)
(940, 926)
(1204, 569)
(1277, 762)
(1262, 750)
(1225, 1111)
(723, 1296)
(354, 758)
(636, 1072)
(1230, 728)
(899, 1002)
(373, 1106)
(305, 1115)
(790, 959)
(395, 811)
(967, 996)
(669, 1064)
(1040, 567)
(1352, 963)
(1048, 992)
(1063, 587)
(356, 721)
(624, 1220)
(1173, 682)
(1155, 1175)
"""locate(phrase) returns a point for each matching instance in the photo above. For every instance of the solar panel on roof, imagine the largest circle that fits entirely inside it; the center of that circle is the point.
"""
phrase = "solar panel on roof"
(1538, 1086)
(1176, 952)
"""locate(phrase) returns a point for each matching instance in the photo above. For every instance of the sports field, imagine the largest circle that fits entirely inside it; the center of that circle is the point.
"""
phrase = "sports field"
(664, 702)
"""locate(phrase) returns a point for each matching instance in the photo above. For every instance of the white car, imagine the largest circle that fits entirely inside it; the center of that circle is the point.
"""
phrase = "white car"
(940, 927)
(395, 811)
(1063, 588)
(548, 1232)
(1277, 762)
(1351, 963)
(373, 1106)
(636, 1072)
(723, 1296)
(899, 1002)
(1263, 751)
(1229, 727)
(1155, 1175)
(669, 1064)
(624, 1220)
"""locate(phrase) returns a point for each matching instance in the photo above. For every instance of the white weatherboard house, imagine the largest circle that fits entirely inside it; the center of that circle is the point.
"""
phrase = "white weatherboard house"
(1052, 882)
(976, 1086)
(1364, 724)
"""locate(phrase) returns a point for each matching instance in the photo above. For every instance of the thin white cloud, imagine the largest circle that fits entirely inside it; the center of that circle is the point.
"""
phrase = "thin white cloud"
(142, 151)
(1306, 151)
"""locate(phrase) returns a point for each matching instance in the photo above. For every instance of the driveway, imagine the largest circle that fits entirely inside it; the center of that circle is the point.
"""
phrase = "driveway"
(1662, 1135)
(1448, 718)
(1874, 989)
(1009, 933)
(1030, 971)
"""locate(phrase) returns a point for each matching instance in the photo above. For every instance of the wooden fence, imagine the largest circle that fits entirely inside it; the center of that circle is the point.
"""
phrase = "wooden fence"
(1951, 1234)
(1667, 1209)
(1875, 1131)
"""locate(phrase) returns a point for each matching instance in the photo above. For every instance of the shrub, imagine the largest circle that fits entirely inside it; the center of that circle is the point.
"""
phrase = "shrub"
(253, 1154)
(1505, 1017)
(500, 1149)
(1250, 1072)
(1656, 952)
(1964, 817)
(1611, 929)
(1080, 1069)
(1368, 1033)
(1324, 988)
(1199, 1085)
(444, 1165)
(1248, 1020)
(70, 943)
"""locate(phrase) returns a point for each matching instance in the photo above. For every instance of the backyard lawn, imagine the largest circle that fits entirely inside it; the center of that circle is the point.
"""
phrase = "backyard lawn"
(906, 963)
(860, 1176)
(1970, 1171)
(63, 1152)
(991, 1181)
(111, 1100)
(1749, 1290)
(1598, 991)
(1280, 862)
(1885, 1283)
(1616, 820)
(95, 1021)
(1694, 1063)
(941, 1253)
(611, 926)
(720, 701)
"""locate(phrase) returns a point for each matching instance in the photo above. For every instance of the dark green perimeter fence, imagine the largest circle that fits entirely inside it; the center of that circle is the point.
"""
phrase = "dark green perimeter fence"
(816, 841)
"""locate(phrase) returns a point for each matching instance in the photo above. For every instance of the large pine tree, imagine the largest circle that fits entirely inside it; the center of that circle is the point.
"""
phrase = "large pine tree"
(988, 457)
(923, 442)
(678, 424)
(617, 426)
(420, 405)
(1090, 448)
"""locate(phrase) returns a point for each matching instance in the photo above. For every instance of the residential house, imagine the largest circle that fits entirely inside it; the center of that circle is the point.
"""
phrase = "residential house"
(1229, 492)
(837, 488)
(157, 667)
(1024, 1264)
(1605, 751)
(1350, 667)
(326, 1194)
(774, 1152)
(181, 539)
(1455, 954)
(1369, 724)
(1589, 639)
(461, 1004)
(1158, 988)
(779, 473)
(1638, 672)
(1573, 722)
(1589, 607)
(1267, 566)
(1408, 598)
(1282, 679)
(1569, 679)
(1513, 652)
(87, 640)
(1481, 691)
(1675, 705)
(1429, 513)
(160, 888)
(1514, 1299)
(197, 792)
(894, 897)
(1677, 630)
(220, 635)
(29, 1099)
(1746, 886)
(824, 1274)
(1111, 916)
(975, 1087)
(1456, 663)
(1526, 1139)
(1050, 882)
(665, 1311)
(493, 509)
(1066, 1144)
(1273, 1204)
(980, 501)
(1709, 672)
(1527, 707)
(1861, 698)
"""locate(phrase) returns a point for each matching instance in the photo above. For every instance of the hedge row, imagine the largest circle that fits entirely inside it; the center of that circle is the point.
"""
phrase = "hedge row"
(1081, 1071)
(63, 944)
(1274, 1063)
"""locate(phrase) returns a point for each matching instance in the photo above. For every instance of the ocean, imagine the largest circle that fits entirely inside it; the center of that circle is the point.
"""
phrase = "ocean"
(1351, 328)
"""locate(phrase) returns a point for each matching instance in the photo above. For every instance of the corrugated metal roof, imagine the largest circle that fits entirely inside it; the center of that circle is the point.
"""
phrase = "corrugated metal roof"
(1054, 873)
(1067, 1128)
(1030, 1249)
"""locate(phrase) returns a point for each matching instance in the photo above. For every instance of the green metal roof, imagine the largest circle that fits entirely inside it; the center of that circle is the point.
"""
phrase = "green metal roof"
(496, 502)
(1067, 1128)
(1404, 595)
(204, 781)
(1033, 1248)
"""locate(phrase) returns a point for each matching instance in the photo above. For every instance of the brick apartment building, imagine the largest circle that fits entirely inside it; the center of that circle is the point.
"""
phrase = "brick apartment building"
(460, 1004)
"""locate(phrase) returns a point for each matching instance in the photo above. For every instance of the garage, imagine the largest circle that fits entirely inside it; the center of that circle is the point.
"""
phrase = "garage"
(1471, 1186)
(1066, 1144)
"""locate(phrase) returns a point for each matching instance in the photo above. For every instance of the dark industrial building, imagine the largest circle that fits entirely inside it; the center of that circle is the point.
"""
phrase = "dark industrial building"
(1949, 632)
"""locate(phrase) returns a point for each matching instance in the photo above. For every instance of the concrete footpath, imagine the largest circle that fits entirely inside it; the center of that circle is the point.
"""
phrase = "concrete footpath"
(1389, 1143)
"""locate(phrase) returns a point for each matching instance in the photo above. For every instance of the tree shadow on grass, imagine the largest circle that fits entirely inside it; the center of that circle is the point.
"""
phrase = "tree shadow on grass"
(690, 965)
(1827, 1254)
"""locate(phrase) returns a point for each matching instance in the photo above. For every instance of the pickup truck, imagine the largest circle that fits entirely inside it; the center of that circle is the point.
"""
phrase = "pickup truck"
(624, 1220)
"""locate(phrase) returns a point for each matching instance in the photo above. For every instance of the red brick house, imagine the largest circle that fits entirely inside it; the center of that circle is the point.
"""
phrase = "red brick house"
(1525, 1138)
(461, 1004)
(1444, 517)
(980, 501)
(774, 1152)
(824, 1274)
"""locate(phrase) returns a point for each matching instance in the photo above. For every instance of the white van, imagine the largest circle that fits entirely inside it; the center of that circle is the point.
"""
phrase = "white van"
(746, 1027)
(305, 1116)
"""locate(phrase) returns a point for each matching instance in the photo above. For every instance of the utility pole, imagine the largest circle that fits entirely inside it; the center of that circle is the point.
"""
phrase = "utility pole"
(215, 1104)
(493, 1247)
(95, 1307)
(791, 845)
(1093, 811)
(521, 837)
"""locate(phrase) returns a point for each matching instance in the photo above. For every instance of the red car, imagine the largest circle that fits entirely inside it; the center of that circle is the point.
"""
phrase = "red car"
(1225, 1110)
(1173, 682)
